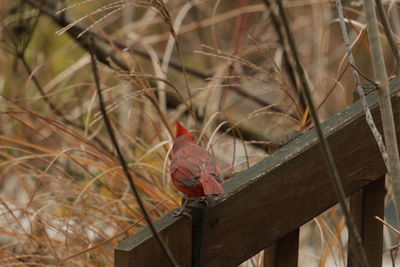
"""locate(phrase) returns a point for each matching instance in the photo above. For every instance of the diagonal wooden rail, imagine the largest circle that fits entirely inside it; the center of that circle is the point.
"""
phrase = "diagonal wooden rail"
(267, 203)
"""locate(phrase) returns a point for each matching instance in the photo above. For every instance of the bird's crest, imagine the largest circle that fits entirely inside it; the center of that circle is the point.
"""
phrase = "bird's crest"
(180, 130)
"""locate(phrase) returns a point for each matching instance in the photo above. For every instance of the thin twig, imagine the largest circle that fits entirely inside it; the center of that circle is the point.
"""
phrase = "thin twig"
(360, 90)
(114, 236)
(388, 32)
(388, 225)
(124, 166)
(42, 93)
(393, 249)
(104, 52)
(289, 66)
(62, 21)
(20, 51)
(373, 83)
(326, 151)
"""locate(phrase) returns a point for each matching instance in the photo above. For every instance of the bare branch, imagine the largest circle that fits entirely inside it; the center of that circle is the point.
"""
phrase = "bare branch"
(125, 167)
(385, 103)
(360, 90)
(388, 32)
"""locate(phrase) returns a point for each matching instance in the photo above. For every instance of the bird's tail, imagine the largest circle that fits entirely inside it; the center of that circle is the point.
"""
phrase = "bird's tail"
(210, 185)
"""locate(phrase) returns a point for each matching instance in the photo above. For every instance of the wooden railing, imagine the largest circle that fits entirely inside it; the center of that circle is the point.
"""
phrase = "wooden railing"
(265, 205)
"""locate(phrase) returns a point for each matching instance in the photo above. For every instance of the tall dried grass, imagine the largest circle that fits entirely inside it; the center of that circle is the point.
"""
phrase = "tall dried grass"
(64, 198)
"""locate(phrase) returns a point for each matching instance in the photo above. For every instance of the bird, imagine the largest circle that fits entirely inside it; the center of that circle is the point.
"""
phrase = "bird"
(194, 172)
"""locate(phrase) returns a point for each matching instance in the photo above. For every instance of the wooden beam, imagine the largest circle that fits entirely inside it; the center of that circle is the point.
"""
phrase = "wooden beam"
(283, 191)
(177, 234)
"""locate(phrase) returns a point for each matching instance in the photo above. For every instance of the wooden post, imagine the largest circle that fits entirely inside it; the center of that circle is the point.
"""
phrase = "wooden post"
(364, 205)
(270, 255)
(285, 252)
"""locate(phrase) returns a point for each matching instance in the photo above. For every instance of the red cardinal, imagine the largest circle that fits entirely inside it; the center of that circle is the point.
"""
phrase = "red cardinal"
(194, 171)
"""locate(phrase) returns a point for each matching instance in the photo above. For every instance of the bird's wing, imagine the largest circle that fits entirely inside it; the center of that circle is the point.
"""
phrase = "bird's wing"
(190, 162)
(210, 185)
(211, 167)
(186, 171)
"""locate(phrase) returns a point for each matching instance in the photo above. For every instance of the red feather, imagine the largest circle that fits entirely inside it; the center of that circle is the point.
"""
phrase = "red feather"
(194, 171)
(180, 130)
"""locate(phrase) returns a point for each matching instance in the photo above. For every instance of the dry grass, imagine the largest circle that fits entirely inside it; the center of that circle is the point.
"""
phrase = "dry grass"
(64, 198)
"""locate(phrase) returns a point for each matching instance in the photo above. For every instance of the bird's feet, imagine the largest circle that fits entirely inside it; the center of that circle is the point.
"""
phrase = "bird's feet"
(204, 200)
(181, 212)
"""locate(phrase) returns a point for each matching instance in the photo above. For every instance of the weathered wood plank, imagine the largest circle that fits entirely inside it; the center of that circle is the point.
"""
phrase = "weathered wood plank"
(141, 250)
(365, 205)
(282, 192)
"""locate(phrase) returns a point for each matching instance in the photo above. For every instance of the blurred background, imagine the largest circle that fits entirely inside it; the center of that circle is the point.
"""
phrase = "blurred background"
(219, 67)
